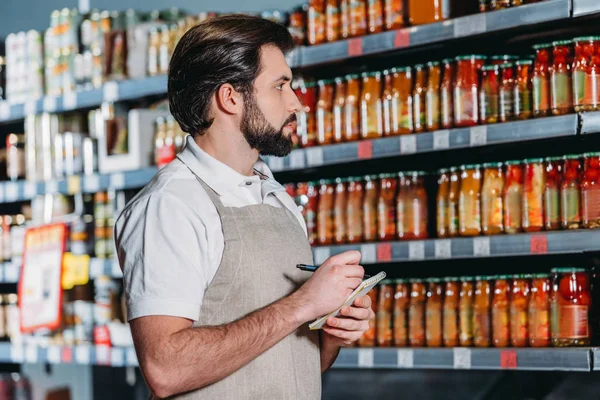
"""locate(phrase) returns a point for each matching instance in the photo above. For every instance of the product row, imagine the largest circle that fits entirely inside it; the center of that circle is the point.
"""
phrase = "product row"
(538, 310)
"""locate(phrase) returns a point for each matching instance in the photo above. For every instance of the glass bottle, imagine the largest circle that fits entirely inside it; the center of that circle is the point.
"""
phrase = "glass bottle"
(450, 313)
(500, 312)
(311, 211)
(579, 68)
(371, 108)
(433, 313)
(332, 20)
(415, 206)
(351, 117)
(386, 207)
(541, 80)
(465, 312)
(570, 192)
(513, 197)
(325, 228)
(419, 101)
(402, 102)
(416, 313)
(442, 203)
(570, 306)
(482, 322)
(523, 90)
(394, 12)
(446, 94)
(357, 21)
(427, 11)
(469, 201)
(453, 203)
(561, 84)
(507, 88)
(368, 339)
(552, 193)
(354, 211)
(539, 311)
(401, 302)
(401, 205)
(386, 102)
(338, 111)
(432, 96)
(375, 16)
(307, 126)
(466, 89)
(533, 195)
(370, 202)
(492, 202)
(339, 213)
(586, 72)
(325, 112)
(519, 306)
(590, 191)
(489, 94)
(316, 22)
(385, 309)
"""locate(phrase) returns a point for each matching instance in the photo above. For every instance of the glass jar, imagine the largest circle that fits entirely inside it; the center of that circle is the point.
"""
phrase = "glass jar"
(332, 20)
(513, 197)
(306, 129)
(432, 96)
(465, 312)
(552, 193)
(446, 94)
(370, 202)
(433, 312)
(450, 326)
(368, 339)
(325, 112)
(415, 206)
(539, 311)
(351, 124)
(482, 303)
(339, 211)
(579, 69)
(375, 16)
(523, 90)
(325, 228)
(354, 210)
(500, 312)
(570, 192)
(485, 5)
(402, 102)
(590, 191)
(386, 207)
(519, 307)
(502, 59)
(371, 109)
(570, 306)
(316, 22)
(469, 210)
(357, 21)
(311, 211)
(561, 84)
(393, 14)
(427, 11)
(416, 313)
(492, 202)
(401, 204)
(586, 72)
(338, 110)
(533, 195)
(419, 101)
(453, 203)
(386, 102)
(385, 309)
(344, 19)
(442, 203)
(401, 302)
(507, 88)
(541, 80)
(489, 94)
(466, 88)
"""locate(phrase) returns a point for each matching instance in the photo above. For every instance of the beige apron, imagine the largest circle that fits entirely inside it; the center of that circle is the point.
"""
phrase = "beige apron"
(263, 244)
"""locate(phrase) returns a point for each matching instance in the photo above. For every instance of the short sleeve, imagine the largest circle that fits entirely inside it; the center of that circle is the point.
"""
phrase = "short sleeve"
(161, 245)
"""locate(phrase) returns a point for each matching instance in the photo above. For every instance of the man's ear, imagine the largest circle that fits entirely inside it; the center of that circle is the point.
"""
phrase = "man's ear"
(229, 100)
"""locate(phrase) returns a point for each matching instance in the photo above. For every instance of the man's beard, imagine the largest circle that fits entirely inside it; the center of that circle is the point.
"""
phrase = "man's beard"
(260, 134)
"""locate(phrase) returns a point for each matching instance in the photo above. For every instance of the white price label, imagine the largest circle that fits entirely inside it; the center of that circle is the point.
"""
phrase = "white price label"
(406, 358)
(416, 250)
(82, 355)
(52, 187)
(468, 26)
(117, 181)
(443, 248)
(17, 355)
(70, 100)
(96, 267)
(11, 192)
(116, 269)
(117, 358)
(297, 160)
(131, 358)
(321, 254)
(30, 190)
(408, 144)
(31, 354)
(110, 92)
(53, 355)
(91, 183)
(103, 355)
(441, 139)
(276, 164)
(31, 107)
(462, 358)
(11, 272)
(49, 104)
(314, 156)
(4, 110)
(481, 247)
(478, 135)
(369, 253)
(366, 358)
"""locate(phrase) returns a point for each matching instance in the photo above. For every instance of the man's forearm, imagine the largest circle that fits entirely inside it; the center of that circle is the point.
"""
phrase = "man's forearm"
(329, 351)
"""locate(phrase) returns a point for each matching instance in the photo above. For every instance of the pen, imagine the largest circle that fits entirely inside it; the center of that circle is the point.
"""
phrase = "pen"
(313, 268)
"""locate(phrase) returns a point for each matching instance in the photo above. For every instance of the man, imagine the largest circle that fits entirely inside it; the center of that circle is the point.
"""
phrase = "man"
(217, 307)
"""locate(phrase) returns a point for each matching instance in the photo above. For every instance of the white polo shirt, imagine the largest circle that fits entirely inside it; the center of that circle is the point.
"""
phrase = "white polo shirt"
(169, 238)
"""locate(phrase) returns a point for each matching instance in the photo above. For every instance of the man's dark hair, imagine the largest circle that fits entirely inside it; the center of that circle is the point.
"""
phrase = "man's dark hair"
(220, 50)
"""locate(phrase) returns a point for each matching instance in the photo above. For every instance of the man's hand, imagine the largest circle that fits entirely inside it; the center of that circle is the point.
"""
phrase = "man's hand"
(350, 324)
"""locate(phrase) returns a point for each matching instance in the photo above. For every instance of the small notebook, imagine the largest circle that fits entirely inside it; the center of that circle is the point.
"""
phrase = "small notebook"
(364, 288)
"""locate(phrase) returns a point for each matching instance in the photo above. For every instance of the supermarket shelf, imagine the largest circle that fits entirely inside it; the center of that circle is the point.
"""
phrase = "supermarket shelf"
(547, 359)
(472, 25)
(510, 132)
(589, 122)
(596, 358)
(585, 7)
(111, 91)
(565, 242)
(25, 190)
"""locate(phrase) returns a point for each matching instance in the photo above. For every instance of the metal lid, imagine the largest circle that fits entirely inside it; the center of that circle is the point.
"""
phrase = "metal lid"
(386, 176)
(448, 60)
(490, 68)
(433, 280)
(352, 76)
(326, 181)
(466, 278)
(451, 279)
(502, 277)
(571, 157)
(504, 57)
(562, 42)
(469, 166)
(454, 169)
(492, 165)
(339, 80)
(387, 282)
(533, 160)
(524, 62)
(513, 162)
(591, 154)
(419, 66)
(403, 69)
(507, 65)
(312, 183)
(341, 180)
(433, 64)
(567, 270)
(541, 276)
(322, 82)
(541, 46)
(586, 39)
(370, 177)
(415, 280)
(400, 280)
(356, 179)
(443, 170)
(371, 74)
(471, 57)
(550, 159)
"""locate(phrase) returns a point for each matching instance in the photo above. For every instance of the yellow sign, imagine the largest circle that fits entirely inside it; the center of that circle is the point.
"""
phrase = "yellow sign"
(74, 184)
(76, 270)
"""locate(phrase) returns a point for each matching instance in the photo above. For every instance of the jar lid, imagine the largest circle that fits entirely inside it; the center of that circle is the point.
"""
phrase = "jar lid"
(339, 80)
(419, 66)
(518, 276)
(451, 279)
(386, 72)
(322, 82)
(415, 280)
(341, 180)
(490, 68)
(312, 183)
(524, 62)
(433, 280)
(356, 179)
(370, 177)
(310, 84)
(326, 181)
(541, 46)
(586, 39)
(371, 74)
(591, 154)
(433, 64)
(533, 160)
(504, 57)
(469, 166)
(562, 43)
(403, 69)
(466, 278)
(492, 165)
(513, 162)
(507, 65)
(352, 76)
(453, 169)
(387, 282)
(482, 278)
(502, 277)
(415, 173)
(471, 57)
(386, 176)
(571, 157)
(448, 60)
(550, 159)
(443, 170)
(400, 280)
(566, 270)
(541, 276)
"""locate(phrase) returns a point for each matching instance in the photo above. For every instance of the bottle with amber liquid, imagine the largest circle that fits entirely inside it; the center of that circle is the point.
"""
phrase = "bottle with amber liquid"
(450, 326)
(386, 207)
(419, 98)
(371, 107)
(370, 207)
(339, 211)
(354, 210)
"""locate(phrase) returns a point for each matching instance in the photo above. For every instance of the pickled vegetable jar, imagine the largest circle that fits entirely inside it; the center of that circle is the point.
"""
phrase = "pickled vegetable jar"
(465, 312)
(539, 311)
(492, 201)
(325, 228)
(453, 203)
(354, 210)
(586, 74)
(386, 207)
(506, 92)
(433, 312)
(419, 101)
(590, 191)
(446, 94)
(357, 19)
(482, 321)
(432, 96)
(339, 211)
(338, 110)
(401, 111)
(541, 80)
(371, 108)
(519, 307)
(450, 314)
(570, 192)
(401, 302)
(375, 16)
(351, 117)
(560, 77)
(552, 193)
(442, 203)
(501, 312)
(469, 210)
(307, 95)
(513, 197)
(466, 88)
(316, 22)
(533, 195)
(368, 339)
(310, 212)
(489, 94)
(394, 14)
(523, 90)
(325, 112)
(415, 206)
(370, 202)
(332, 21)
(570, 306)
(385, 309)
(416, 313)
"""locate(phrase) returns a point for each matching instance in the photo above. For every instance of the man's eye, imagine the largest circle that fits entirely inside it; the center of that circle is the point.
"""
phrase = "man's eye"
(279, 87)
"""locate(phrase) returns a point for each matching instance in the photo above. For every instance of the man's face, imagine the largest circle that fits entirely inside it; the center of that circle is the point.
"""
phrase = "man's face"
(269, 118)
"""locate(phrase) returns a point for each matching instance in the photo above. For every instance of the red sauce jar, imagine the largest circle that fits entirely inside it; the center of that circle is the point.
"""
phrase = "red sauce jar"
(306, 130)
(446, 94)
(570, 307)
(586, 74)
(560, 77)
(506, 92)
(519, 307)
(466, 88)
(523, 90)
(541, 80)
(590, 191)
(325, 112)
(310, 212)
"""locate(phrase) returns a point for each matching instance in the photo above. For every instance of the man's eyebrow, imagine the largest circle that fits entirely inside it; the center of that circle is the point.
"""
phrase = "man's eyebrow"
(284, 78)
